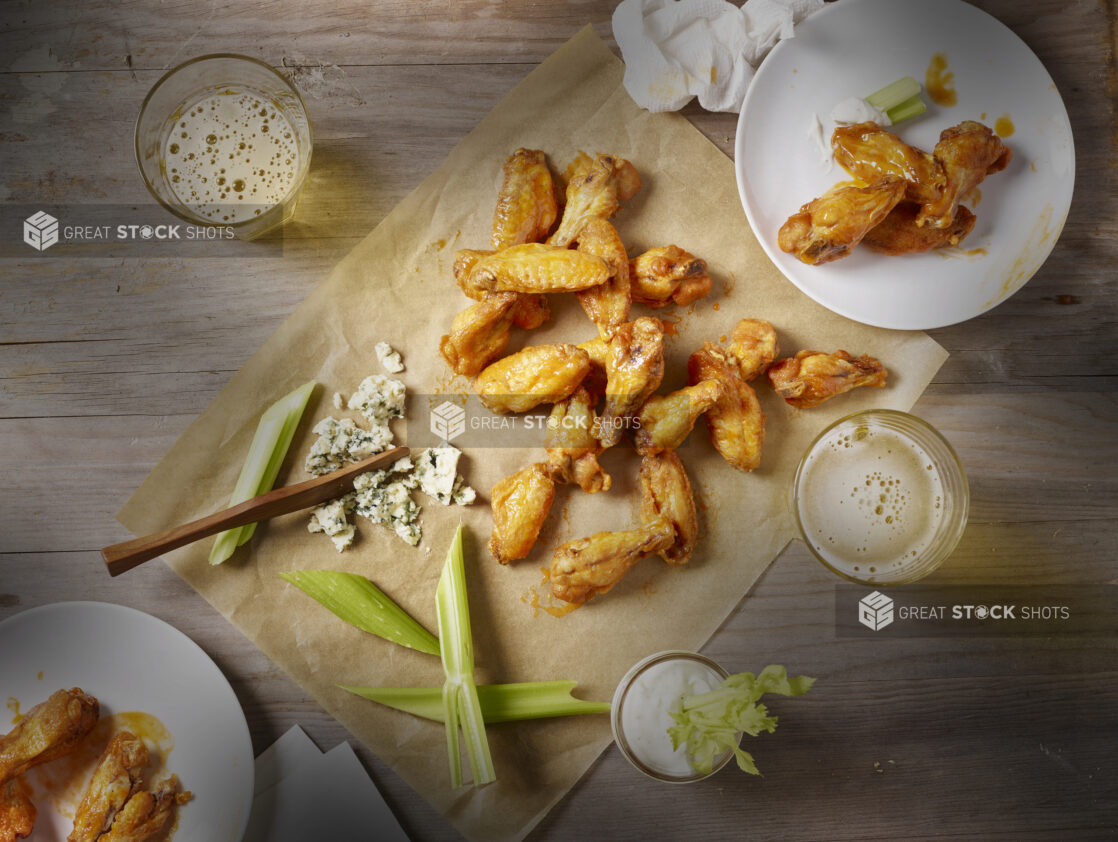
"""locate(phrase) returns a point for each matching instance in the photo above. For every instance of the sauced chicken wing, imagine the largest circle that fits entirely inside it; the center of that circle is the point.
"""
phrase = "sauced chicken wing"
(607, 305)
(146, 814)
(115, 779)
(899, 232)
(572, 447)
(526, 204)
(753, 346)
(968, 153)
(520, 504)
(588, 566)
(479, 334)
(811, 377)
(669, 275)
(870, 152)
(829, 227)
(666, 493)
(535, 268)
(531, 310)
(538, 374)
(50, 730)
(596, 187)
(735, 422)
(665, 421)
(17, 813)
(633, 360)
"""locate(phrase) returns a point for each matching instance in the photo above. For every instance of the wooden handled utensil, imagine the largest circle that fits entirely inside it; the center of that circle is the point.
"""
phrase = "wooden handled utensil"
(122, 557)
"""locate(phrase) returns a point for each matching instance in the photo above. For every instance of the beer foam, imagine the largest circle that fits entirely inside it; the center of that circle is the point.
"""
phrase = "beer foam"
(870, 501)
(230, 155)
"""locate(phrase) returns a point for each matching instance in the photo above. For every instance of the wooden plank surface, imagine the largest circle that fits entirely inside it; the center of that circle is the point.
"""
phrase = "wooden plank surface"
(103, 363)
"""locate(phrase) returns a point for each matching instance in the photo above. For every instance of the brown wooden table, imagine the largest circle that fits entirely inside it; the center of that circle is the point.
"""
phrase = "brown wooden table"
(103, 363)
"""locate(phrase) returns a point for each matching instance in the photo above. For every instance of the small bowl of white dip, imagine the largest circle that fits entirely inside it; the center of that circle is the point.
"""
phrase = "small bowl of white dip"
(642, 708)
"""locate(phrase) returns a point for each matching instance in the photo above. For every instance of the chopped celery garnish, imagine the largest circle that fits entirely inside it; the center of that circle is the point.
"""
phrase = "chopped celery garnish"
(269, 446)
(361, 603)
(499, 702)
(709, 723)
(899, 100)
(461, 705)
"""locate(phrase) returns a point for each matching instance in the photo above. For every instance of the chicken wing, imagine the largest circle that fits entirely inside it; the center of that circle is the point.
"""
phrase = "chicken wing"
(538, 374)
(479, 334)
(50, 730)
(596, 187)
(531, 310)
(588, 566)
(535, 268)
(666, 493)
(526, 204)
(520, 505)
(735, 422)
(115, 779)
(665, 421)
(811, 377)
(829, 227)
(146, 813)
(669, 275)
(17, 813)
(572, 446)
(968, 153)
(607, 305)
(870, 152)
(633, 360)
(753, 346)
(899, 232)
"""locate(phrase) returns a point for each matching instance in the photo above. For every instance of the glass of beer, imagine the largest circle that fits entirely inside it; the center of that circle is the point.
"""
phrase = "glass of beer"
(224, 140)
(880, 498)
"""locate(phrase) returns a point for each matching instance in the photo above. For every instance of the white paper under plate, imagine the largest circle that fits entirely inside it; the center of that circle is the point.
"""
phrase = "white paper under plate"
(854, 47)
(131, 661)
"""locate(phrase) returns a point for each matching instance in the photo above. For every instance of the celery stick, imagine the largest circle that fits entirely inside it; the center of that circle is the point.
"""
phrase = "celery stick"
(361, 603)
(460, 696)
(269, 446)
(499, 702)
(275, 462)
(906, 110)
(899, 100)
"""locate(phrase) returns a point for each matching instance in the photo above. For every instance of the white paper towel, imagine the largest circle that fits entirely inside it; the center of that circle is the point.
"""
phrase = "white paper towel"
(303, 794)
(677, 49)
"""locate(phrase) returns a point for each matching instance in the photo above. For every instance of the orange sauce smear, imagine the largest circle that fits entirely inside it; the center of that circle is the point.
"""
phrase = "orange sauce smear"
(1003, 126)
(63, 781)
(552, 607)
(940, 82)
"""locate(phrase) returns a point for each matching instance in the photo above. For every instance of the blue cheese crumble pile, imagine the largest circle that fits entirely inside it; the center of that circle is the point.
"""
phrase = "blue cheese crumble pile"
(385, 496)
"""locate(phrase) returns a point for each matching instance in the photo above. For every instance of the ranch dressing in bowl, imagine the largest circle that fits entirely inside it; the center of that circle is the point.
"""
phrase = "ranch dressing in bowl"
(642, 708)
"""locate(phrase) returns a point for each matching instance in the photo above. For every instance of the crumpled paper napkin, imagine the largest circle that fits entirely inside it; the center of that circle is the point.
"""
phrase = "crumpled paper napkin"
(678, 49)
(303, 794)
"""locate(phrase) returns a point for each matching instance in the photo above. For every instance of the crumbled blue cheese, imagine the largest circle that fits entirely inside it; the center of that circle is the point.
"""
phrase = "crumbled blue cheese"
(384, 497)
(389, 357)
(436, 470)
(379, 399)
(341, 442)
(331, 519)
(339, 400)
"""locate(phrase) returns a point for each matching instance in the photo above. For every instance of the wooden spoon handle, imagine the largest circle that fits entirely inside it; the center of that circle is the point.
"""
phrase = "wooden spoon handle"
(291, 498)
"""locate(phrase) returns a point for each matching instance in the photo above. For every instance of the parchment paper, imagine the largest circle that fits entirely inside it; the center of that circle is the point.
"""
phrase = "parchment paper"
(397, 286)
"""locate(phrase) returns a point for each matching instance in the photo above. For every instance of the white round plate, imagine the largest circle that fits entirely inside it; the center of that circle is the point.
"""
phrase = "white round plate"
(133, 662)
(852, 48)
